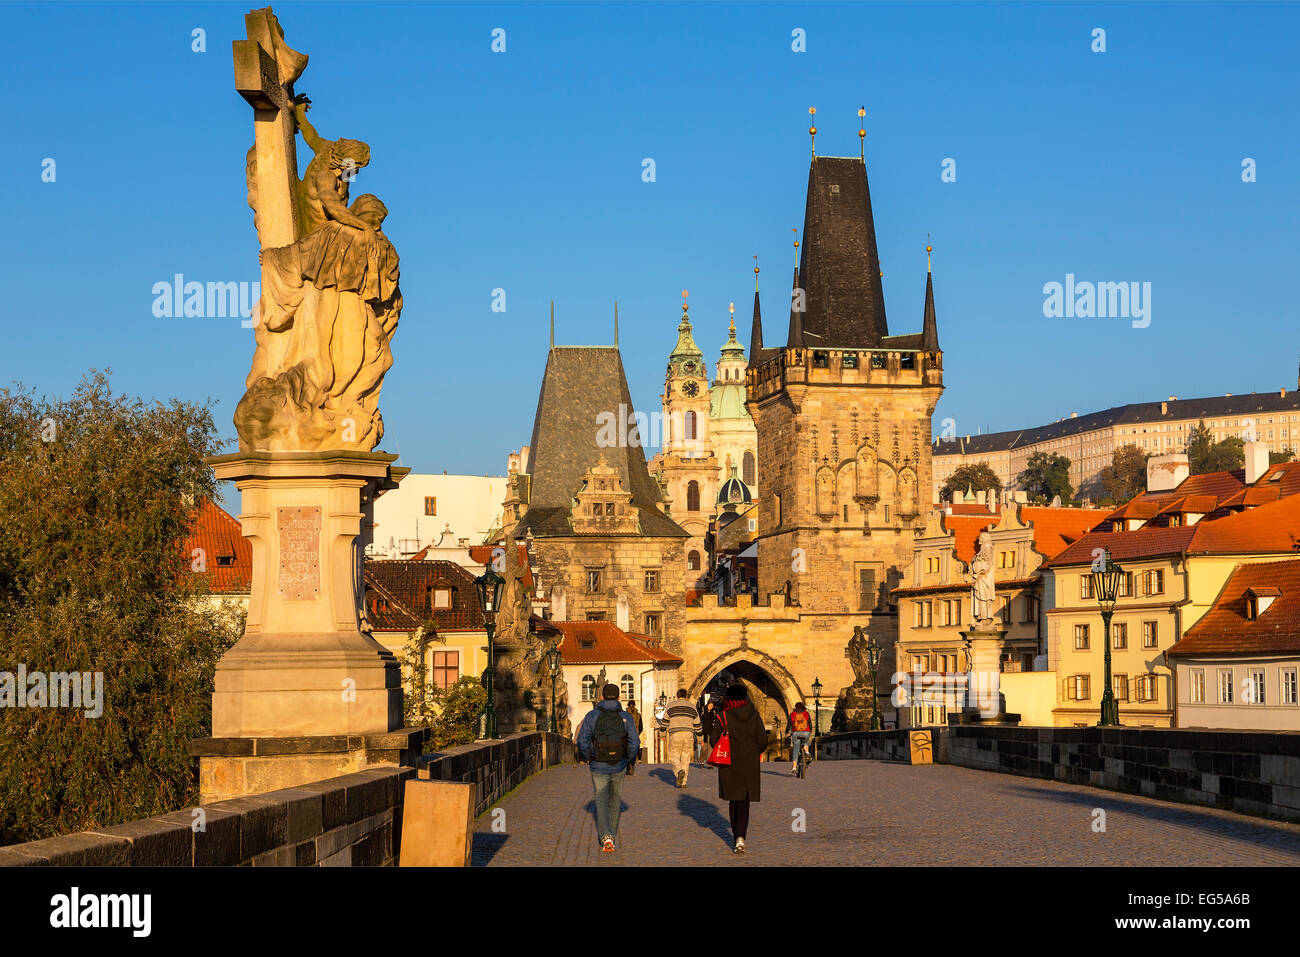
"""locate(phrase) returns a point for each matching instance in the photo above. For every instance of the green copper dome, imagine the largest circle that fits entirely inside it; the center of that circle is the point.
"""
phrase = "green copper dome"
(727, 401)
(686, 359)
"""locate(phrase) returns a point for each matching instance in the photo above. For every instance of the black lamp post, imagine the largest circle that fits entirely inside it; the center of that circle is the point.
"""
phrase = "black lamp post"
(1105, 586)
(489, 595)
(873, 659)
(553, 662)
(817, 707)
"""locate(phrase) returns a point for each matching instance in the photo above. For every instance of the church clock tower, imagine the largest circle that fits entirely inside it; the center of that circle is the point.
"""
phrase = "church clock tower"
(688, 466)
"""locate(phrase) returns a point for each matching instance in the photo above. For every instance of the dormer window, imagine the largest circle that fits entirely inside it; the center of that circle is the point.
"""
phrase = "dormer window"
(1258, 601)
(442, 598)
(225, 561)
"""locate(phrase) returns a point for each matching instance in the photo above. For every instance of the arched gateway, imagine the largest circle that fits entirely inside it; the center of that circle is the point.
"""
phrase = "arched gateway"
(754, 668)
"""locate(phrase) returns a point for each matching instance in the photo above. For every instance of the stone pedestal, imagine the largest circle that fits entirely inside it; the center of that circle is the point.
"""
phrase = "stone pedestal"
(304, 668)
(985, 703)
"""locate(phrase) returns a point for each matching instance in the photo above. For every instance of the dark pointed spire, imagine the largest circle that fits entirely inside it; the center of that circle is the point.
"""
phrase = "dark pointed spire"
(756, 327)
(930, 329)
(795, 338)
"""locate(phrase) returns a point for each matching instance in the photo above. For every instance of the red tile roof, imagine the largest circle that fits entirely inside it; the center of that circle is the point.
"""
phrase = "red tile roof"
(966, 529)
(1055, 529)
(483, 555)
(599, 642)
(1274, 527)
(1226, 630)
(399, 595)
(227, 554)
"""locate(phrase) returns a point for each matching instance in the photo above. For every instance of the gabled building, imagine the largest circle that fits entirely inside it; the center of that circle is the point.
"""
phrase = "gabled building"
(1237, 666)
(935, 605)
(638, 664)
(1175, 565)
(219, 554)
(600, 546)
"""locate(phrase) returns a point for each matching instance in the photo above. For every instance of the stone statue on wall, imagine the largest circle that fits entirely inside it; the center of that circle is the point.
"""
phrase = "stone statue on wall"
(330, 300)
(982, 584)
(858, 658)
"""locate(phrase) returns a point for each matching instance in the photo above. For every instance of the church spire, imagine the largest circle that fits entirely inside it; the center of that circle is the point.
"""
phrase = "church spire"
(795, 338)
(930, 330)
(756, 328)
(686, 358)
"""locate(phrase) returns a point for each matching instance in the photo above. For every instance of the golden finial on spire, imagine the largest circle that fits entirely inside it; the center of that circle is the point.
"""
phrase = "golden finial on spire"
(755, 274)
(732, 310)
(928, 248)
(862, 133)
(795, 230)
(685, 304)
(812, 129)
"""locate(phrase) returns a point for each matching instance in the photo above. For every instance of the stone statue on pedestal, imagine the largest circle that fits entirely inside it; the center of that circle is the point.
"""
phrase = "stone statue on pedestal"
(330, 299)
(982, 584)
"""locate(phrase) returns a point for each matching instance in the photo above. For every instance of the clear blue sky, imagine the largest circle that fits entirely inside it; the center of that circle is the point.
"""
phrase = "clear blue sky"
(522, 171)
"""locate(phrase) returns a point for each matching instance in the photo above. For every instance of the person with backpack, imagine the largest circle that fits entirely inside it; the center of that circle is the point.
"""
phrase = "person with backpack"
(738, 777)
(608, 742)
(681, 723)
(799, 727)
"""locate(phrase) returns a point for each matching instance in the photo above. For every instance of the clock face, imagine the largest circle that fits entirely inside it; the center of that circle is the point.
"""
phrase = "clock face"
(690, 389)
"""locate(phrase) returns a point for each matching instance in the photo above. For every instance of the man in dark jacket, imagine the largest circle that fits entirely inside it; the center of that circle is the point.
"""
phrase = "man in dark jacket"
(611, 758)
(738, 781)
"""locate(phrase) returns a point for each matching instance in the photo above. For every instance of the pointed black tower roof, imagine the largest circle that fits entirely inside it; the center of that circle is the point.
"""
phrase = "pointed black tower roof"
(839, 269)
(795, 337)
(582, 383)
(930, 328)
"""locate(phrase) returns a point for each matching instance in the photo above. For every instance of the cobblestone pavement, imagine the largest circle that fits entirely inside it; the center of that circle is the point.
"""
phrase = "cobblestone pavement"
(871, 812)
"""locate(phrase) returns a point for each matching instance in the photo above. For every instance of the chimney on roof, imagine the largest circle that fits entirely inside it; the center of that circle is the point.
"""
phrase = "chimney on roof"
(1164, 408)
(1256, 460)
(1074, 415)
(1282, 392)
(1173, 398)
(1165, 472)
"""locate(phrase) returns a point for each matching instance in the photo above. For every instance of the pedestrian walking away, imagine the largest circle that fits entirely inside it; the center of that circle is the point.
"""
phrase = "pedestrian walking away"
(681, 722)
(640, 729)
(738, 782)
(708, 716)
(799, 727)
(608, 742)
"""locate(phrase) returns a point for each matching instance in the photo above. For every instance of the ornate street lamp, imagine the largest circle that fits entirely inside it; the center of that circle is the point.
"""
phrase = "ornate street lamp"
(1106, 576)
(553, 662)
(873, 659)
(817, 707)
(489, 597)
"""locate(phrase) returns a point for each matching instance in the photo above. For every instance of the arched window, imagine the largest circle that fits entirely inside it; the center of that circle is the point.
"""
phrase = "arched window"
(627, 687)
(588, 687)
(748, 469)
(693, 561)
(692, 496)
(689, 425)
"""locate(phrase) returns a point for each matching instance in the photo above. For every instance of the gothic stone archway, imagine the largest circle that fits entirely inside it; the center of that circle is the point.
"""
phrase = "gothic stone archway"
(772, 688)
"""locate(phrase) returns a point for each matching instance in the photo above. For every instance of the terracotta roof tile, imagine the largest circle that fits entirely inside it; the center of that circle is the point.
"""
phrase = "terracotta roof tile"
(1055, 529)
(1225, 629)
(482, 554)
(409, 588)
(600, 642)
(227, 554)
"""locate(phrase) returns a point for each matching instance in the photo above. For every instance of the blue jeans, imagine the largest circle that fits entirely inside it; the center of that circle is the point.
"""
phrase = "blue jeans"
(609, 802)
(797, 741)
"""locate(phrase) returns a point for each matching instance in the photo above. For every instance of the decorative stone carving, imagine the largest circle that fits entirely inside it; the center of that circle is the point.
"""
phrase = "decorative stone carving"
(330, 299)
(982, 584)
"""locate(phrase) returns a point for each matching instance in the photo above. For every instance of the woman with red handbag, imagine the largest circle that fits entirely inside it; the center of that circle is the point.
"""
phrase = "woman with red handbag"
(737, 739)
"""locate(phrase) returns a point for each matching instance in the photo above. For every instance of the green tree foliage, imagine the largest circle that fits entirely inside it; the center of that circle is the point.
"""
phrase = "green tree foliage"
(976, 477)
(1046, 475)
(96, 494)
(458, 718)
(1126, 475)
(1277, 458)
(1206, 455)
(451, 713)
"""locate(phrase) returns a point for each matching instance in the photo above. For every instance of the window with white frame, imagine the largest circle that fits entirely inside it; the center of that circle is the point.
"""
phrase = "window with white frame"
(1085, 586)
(1150, 634)
(1287, 685)
(1225, 686)
(627, 687)
(1147, 687)
(1198, 686)
(1119, 686)
(1080, 637)
(1077, 687)
(1119, 636)
(588, 687)
(1252, 687)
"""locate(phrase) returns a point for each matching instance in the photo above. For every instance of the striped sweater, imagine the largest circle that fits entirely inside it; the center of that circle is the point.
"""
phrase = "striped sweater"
(680, 715)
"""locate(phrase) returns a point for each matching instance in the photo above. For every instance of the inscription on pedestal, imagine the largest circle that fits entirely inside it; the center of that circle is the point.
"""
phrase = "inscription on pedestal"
(299, 530)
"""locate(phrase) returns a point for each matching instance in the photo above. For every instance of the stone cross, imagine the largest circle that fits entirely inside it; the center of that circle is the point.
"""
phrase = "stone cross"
(265, 71)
